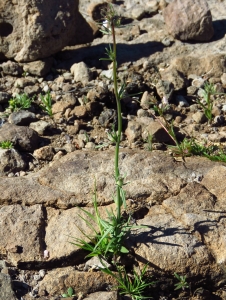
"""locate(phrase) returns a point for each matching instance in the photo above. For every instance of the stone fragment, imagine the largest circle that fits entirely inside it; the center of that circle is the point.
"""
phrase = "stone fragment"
(21, 233)
(47, 29)
(157, 132)
(174, 77)
(21, 117)
(57, 281)
(199, 117)
(22, 82)
(198, 82)
(223, 79)
(107, 117)
(107, 74)
(164, 89)
(11, 161)
(22, 137)
(79, 111)
(145, 101)
(90, 146)
(81, 73)
(112, 295)
(73, 129)
(189, 20)
(95, 263)
(11, 68)
(4, 97)
(59, 107)
(214, 181)
(133, 131)
(40, 126)
(44, 153)
(142, 113)
(6, 290)
(191, 90)
(39, 67)
(32, 90)
(216, 111)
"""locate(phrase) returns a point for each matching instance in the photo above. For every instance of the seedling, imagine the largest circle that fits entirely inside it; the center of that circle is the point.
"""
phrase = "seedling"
(20, 102)
(182, 284)
(149, 142)
(133, 285)
(47, 103)
(207, 106)
(70, 293)
(6, 145)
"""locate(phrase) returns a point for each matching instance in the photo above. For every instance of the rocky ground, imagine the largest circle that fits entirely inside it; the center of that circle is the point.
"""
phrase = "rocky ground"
(54, 159)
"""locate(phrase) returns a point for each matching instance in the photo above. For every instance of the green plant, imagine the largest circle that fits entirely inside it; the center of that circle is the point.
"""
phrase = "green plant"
(6, 145)
(182, 282)
(213, 152)
(70, 293)
(108, 240)
(133, 285)
(47, 103)
(207, 106)
(184, 148)
(25, 74)
(20, 102)
(108, 234)
(162, 108)
(149, 142)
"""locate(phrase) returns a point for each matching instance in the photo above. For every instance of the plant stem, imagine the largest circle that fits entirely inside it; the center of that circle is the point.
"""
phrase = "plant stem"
(117, 173)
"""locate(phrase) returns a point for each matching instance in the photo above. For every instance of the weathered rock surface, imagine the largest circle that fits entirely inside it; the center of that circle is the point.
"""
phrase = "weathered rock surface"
(22, 118)
(57, 281)
(169, 246)
(32, 30)
(103, 296)
(189, 20)
(185, 209)
(21, 233)
(11, 161)
(182, 203)
(39, 67)
(6, 291)
(22, 137)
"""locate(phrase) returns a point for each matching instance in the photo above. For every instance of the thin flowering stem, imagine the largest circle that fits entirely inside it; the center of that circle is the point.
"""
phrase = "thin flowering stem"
(117, 172)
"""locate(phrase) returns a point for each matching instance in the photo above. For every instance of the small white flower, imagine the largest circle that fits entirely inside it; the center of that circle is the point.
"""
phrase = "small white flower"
(106, 25)
(165, 101)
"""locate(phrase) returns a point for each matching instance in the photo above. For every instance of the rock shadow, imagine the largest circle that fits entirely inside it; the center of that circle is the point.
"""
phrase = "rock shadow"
(219, 27)
(92, 54)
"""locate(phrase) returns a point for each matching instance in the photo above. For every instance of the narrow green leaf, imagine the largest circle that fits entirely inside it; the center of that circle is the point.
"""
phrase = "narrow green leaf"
(70, 291)
(124, 250)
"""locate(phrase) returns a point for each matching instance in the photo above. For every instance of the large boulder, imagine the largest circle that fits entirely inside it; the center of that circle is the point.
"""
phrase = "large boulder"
(189, 20)
(34, 29)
